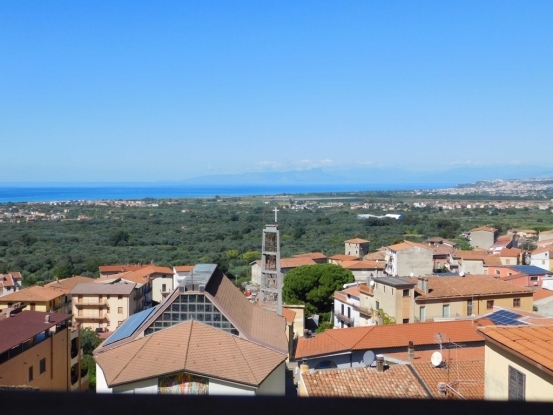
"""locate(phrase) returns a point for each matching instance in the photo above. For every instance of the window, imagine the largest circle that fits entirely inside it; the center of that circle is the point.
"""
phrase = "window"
(163, 287)
(405, 321)
(33, 306)
(406, 293)
(342, 309)
(543, 261)
(119, 297)
(42, 366)
(489, 304)
(445, 310)
(469, 307)
(120, 310)
(497, 272)
(517, 385)
(384, 288)
(31, 374)
(80, 313)
(534, 278)
(516, 302)
(349, 312)
(378, 305)
(392, 291)
(422, 314)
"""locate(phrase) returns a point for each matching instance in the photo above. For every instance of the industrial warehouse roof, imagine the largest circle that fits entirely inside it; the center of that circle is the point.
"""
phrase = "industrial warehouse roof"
(192, 347)
(388, 336)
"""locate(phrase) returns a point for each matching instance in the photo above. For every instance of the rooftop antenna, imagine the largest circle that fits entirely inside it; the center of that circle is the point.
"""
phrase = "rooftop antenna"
(439, 339)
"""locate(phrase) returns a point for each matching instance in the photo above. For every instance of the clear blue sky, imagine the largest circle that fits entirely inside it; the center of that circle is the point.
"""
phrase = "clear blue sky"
(137, 91)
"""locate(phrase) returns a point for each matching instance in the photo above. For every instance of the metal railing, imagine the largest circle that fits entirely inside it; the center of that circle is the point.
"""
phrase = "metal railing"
(92, 302)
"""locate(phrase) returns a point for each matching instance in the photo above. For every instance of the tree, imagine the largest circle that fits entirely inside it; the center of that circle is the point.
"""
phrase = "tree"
(119, 238)
(314, 286)
(251, 256)
(89, 340)
(232, 254)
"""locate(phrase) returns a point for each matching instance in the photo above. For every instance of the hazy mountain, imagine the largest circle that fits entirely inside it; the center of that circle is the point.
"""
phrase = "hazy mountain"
(378, 175)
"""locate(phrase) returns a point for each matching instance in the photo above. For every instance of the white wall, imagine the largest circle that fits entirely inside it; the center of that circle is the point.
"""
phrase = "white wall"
(220, 387)
(146, 386)
(101, 384)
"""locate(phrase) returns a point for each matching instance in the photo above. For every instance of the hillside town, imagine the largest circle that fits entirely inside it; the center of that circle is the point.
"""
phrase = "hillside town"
(416, 320)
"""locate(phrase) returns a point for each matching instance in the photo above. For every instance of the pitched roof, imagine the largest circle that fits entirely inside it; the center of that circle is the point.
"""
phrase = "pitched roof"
(388, 336)
(464, 378)
(510, 252)
(312, 255)
(119, 268)
(375, 256)
(534, 342)
(342, 257)
(408, 245)
(7, 280)
(67, 284)
(470, 254)
(363, 264)
(356, 241)
(543, 249)
(23, 326)
(113, 289)
(492, 261)
(468, 285)
(296, 262)
(484, 228)
(451, 354)
(542, 293)
(191, 347)
(184, 268)
(395, 382)
(32, 294)
(550, 232)
(255, 323)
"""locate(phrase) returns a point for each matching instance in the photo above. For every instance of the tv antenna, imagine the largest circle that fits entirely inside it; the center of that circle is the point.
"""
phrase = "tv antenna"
(438, 337)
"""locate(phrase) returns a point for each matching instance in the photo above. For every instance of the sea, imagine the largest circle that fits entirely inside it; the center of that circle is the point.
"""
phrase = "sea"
(59, 193)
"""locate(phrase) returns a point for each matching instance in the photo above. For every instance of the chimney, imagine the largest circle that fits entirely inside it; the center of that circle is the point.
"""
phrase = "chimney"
(425, 285)
(47, 318)
(304, 367)
(442, 389)
(380, 363)
(411, 350)
(420, 283)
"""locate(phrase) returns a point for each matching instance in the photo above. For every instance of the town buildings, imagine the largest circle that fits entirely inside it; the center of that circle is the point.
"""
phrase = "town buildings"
(409, 258)
(41, 350)
(541, 257)
(483, 237)
(10, 283)
(356, 247)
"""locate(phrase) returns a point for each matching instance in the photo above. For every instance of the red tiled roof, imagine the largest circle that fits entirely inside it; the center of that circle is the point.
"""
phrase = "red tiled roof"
(32, 294)
(296, 262)
(191, 347)
(289, 315)
(408, 245)
(388, 336)
(542, 293)
(376, 256)
(534, 342)
(362, 265)
(119, 268)
(484, 228)
(456, 354)
(342, 257)
(542, 250)
(312, 255)
(184, 268)
(510, 252)
(67, 284)
(395, 382)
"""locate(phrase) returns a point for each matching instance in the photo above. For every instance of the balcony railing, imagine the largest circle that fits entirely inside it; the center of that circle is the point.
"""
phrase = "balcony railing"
(98, 302)
(365, 311)
(92, 317)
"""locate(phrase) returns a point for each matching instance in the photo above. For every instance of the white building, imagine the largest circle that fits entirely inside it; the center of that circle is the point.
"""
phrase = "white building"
(346, 307)
(409, 258)
(541, 257)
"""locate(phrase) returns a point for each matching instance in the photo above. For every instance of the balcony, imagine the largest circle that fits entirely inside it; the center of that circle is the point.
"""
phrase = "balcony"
(365, 311)
(92, 317)
(93, 303)
(344, 318)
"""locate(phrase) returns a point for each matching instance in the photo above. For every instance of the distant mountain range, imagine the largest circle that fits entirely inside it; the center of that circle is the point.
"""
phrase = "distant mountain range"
(378, 175)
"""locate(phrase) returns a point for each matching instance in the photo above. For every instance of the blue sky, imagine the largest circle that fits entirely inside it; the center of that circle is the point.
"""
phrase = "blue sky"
(139, 91)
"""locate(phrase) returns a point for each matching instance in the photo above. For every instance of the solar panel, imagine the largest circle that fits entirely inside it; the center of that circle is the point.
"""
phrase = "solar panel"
(129, 326)
(505, 318)
(529, 269)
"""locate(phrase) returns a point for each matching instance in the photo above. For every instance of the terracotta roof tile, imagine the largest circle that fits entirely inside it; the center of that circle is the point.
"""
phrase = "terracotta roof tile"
(312, 255)
(289, 315)
(184, 268)
(342, 257)
(395, 382)
(464, 378)
(408, 245)
(453, 354)
(542, 293)
(31, 294)
(376, 256)
(296, 262)
(484, 228)
(388, 336)
(119, 268)
(190, 347)
(466, 286)
(67, 284)
(533, 342)
(510, 252)
(542, 250)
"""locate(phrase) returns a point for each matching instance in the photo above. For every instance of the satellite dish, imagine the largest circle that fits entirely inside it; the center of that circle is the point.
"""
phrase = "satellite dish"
(461, 274)
(372, 283)
(436, 359)
(368, 358)
(411, 275)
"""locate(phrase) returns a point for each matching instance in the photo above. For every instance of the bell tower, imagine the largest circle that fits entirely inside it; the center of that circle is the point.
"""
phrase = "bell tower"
(270, 292)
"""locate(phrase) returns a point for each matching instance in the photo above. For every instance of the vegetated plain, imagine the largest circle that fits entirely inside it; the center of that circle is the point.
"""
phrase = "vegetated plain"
(227, 231)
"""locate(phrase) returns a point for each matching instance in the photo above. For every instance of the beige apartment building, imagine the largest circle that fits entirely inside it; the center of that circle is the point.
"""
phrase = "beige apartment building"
(40, 350)
(518, 366)
(451, 297)
(104, 306)
(390, 295)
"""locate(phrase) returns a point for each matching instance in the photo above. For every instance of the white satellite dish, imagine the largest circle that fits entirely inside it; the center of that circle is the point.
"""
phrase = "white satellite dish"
(372, 283)
(411, 275)
(436, 359)
(368, 358)
(461, 274)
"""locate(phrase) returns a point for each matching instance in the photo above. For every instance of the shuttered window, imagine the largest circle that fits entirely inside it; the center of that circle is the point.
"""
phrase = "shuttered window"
(517, 385)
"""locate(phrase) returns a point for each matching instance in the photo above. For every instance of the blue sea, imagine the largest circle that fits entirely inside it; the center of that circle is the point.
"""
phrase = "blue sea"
(18, 193)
